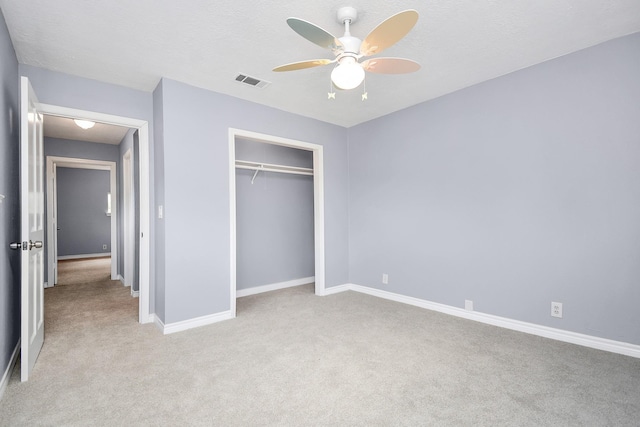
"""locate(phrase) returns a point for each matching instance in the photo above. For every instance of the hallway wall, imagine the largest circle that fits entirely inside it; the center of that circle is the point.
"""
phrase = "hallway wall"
(10, 205)
(83, 224)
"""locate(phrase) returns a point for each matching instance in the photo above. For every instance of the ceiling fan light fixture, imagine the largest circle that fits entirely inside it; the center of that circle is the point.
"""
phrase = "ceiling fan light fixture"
(349, 74)
(349, 50)
(84, 124)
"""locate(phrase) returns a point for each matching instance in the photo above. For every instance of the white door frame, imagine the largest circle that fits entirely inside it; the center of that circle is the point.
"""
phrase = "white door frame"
(128, 221)
(54, 162)
(144, 315)
(318, 203)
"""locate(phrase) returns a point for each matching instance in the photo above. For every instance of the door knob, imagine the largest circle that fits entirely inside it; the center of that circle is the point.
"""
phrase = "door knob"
(37, 244)
(16, 245)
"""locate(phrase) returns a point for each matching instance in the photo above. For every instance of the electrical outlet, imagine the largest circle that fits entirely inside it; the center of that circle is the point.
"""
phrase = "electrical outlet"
(556, 309)
(468, 305)
(385, 279)
(104, 247)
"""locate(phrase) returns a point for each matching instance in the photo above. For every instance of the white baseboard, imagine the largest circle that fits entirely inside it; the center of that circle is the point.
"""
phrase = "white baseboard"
(100, 255)
(337, 289)
(135, 294)
(225, 315)
(121, 279)
(503, 322)
(159, 323)
(7, 372)
(151, 319)
(274, 286)
(193, 323)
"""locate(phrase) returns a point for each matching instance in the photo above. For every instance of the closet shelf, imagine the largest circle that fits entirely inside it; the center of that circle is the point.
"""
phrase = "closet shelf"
(268, 167)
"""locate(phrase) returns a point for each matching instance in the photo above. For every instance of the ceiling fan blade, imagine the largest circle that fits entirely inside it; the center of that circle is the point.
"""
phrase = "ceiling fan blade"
(303, 64)
(390, 65)
(389, 32)
(315, 34)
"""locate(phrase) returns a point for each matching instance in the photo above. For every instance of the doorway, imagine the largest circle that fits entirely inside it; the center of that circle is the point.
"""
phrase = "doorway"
(53, 163)
(144, 312)
(318, 204)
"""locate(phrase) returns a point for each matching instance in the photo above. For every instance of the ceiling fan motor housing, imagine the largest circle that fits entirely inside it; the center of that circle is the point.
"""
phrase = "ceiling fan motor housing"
(351, 44)
(347, 14)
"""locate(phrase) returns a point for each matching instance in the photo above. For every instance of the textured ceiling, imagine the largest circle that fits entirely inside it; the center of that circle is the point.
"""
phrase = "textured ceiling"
(64, 128)
(206, 43)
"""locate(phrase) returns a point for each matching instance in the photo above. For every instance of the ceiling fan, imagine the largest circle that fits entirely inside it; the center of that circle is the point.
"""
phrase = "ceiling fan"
(349, 50)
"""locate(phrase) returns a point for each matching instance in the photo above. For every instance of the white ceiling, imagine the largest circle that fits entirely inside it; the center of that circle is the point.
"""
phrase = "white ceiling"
(206, 43)
(64, 128)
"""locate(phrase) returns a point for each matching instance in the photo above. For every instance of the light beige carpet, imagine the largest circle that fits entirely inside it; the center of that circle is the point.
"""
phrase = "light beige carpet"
(291, 358)
(88, 270)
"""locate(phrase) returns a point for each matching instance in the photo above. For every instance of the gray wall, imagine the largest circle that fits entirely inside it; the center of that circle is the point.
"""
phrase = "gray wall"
(158, 162)
(84, 226)
(512, 193)
(75, 92)
(196, 192)
(10, 206)
(274, 217)
(81, 150)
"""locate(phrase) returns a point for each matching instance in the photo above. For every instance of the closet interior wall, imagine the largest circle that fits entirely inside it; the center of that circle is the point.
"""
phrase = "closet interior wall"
(274, 214)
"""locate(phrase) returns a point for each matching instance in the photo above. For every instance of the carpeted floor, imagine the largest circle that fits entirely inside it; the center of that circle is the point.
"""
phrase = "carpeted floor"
(293, 359)
(88, 270)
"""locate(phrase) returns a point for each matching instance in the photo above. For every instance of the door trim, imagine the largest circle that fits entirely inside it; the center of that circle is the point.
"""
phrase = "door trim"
(54, 162)
(128, 221)
(318, 203)
(144, 312)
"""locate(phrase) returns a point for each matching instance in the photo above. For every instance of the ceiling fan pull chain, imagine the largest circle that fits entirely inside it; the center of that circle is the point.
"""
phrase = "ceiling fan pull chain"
(331, 94)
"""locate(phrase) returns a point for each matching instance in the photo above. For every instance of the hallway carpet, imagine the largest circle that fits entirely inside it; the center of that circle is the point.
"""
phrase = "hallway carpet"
(291, 358)
(86, 270)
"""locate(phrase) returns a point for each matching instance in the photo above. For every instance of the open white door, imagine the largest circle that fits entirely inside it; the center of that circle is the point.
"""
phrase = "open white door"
(32, 228)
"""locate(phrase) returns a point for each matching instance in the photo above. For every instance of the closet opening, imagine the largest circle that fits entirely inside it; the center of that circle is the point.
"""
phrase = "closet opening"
(276, 214)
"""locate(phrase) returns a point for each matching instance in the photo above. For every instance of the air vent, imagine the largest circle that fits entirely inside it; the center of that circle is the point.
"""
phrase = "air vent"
(252, 81)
